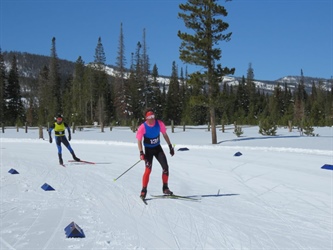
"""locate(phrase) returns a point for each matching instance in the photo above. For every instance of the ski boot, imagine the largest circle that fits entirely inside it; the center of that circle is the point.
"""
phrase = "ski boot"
(166, 190)
(143, 193)
(61, 162)
(74, 157)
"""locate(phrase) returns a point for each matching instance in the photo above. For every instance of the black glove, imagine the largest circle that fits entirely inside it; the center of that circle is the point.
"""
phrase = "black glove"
(50, 139)
(172, 151)
(142, 156)
(69, 137)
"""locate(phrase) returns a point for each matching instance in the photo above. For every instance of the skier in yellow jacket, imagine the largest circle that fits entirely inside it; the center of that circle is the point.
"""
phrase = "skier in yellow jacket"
(59, 128)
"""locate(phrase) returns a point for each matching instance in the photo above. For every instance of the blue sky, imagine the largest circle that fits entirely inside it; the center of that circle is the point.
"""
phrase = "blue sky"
(278, 37)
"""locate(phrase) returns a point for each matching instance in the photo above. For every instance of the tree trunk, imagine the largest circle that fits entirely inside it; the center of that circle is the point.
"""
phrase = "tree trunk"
(213, 124)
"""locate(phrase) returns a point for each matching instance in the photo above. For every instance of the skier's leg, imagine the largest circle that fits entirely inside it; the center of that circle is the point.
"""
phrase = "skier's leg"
(146, 174)
(68, 146)
(161, 158)
(58, 143)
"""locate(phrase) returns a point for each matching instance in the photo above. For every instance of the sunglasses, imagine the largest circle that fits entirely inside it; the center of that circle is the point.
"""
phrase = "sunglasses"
(150, 115)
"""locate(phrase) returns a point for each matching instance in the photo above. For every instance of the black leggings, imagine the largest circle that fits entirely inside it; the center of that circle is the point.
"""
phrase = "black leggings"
(62, 139)
(161, 158)
(159, 155)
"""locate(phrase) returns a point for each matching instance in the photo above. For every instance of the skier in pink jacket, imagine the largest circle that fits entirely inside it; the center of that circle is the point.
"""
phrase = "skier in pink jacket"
(148, 134)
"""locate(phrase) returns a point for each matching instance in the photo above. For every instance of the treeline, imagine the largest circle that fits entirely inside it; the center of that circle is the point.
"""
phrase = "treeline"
(88, 94)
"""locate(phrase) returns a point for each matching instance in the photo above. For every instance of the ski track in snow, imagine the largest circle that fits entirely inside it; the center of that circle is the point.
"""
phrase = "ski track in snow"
(205, 147)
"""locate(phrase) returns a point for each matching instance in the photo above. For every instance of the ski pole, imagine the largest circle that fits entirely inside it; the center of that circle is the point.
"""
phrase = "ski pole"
(126, 170)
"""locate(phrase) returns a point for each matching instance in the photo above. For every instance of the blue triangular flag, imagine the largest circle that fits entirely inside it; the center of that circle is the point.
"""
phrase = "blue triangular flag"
(13, 171)
(47, 187)
(182, 149)
(73, 230)
(327, 166)
(238, 154)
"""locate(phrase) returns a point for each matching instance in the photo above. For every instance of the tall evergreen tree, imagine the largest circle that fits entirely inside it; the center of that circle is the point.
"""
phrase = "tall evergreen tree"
(300, 97)
(183, 93)
(146, 72)
(79, 92)
(198, 101)
(102, 88)
(99, 57)
(55, 82)
(45, 97)
(173, 103)
(288, 106)
(204, 17)
(156, 97)
(122, 97)
(2, 88)
(241, 102)
(15, 109)
(140, 81)
(252, 96)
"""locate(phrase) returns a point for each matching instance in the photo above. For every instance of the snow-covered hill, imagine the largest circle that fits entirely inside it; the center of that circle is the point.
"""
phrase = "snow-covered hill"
(29, 65)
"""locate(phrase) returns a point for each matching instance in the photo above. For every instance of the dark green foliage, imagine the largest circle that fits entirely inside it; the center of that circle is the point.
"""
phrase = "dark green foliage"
(2, 88)
(55, 82)
(100, 87)
(232, 101)
(123, 108)
(44, 95)
(238, 131)
(205, 19)
(307, 127)
(14, 111)
(173, 102)
(267, 127)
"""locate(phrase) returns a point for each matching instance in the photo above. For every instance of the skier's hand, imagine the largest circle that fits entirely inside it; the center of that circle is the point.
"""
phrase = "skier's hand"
(142, 156)
(172, 151)
(69, 137)
(50, 139)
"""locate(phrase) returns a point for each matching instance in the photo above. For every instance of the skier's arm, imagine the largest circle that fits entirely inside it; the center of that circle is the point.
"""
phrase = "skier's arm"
(140, 145)
(50, 130)
(167, 139)
(69, 131)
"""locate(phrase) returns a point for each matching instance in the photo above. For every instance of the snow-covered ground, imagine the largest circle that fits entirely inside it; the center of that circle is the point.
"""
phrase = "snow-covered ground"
(274, 196)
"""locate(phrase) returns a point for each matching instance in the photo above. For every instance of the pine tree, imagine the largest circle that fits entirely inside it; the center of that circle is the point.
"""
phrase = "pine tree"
(146, 72)
(184, 94)
(173, 109)
(15, 109)
(134, 90)
(241, 105)
(276, 104)
(204, 17)
(79, 92)
(156, 96)
(2, 88)
(198, 100)
(55, 82)
(252, 96)
(122, 96)
(300, 97)
(287, 105)
(45, 97)
(139, 85)
(102, 88)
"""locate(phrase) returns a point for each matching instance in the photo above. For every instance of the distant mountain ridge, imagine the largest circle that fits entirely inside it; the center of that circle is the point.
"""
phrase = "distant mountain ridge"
(30, 65)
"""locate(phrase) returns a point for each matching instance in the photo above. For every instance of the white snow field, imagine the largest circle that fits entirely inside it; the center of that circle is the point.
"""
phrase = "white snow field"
(274, 196)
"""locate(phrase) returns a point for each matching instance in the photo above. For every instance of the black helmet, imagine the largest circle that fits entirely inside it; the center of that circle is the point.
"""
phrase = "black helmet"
(58, 118)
